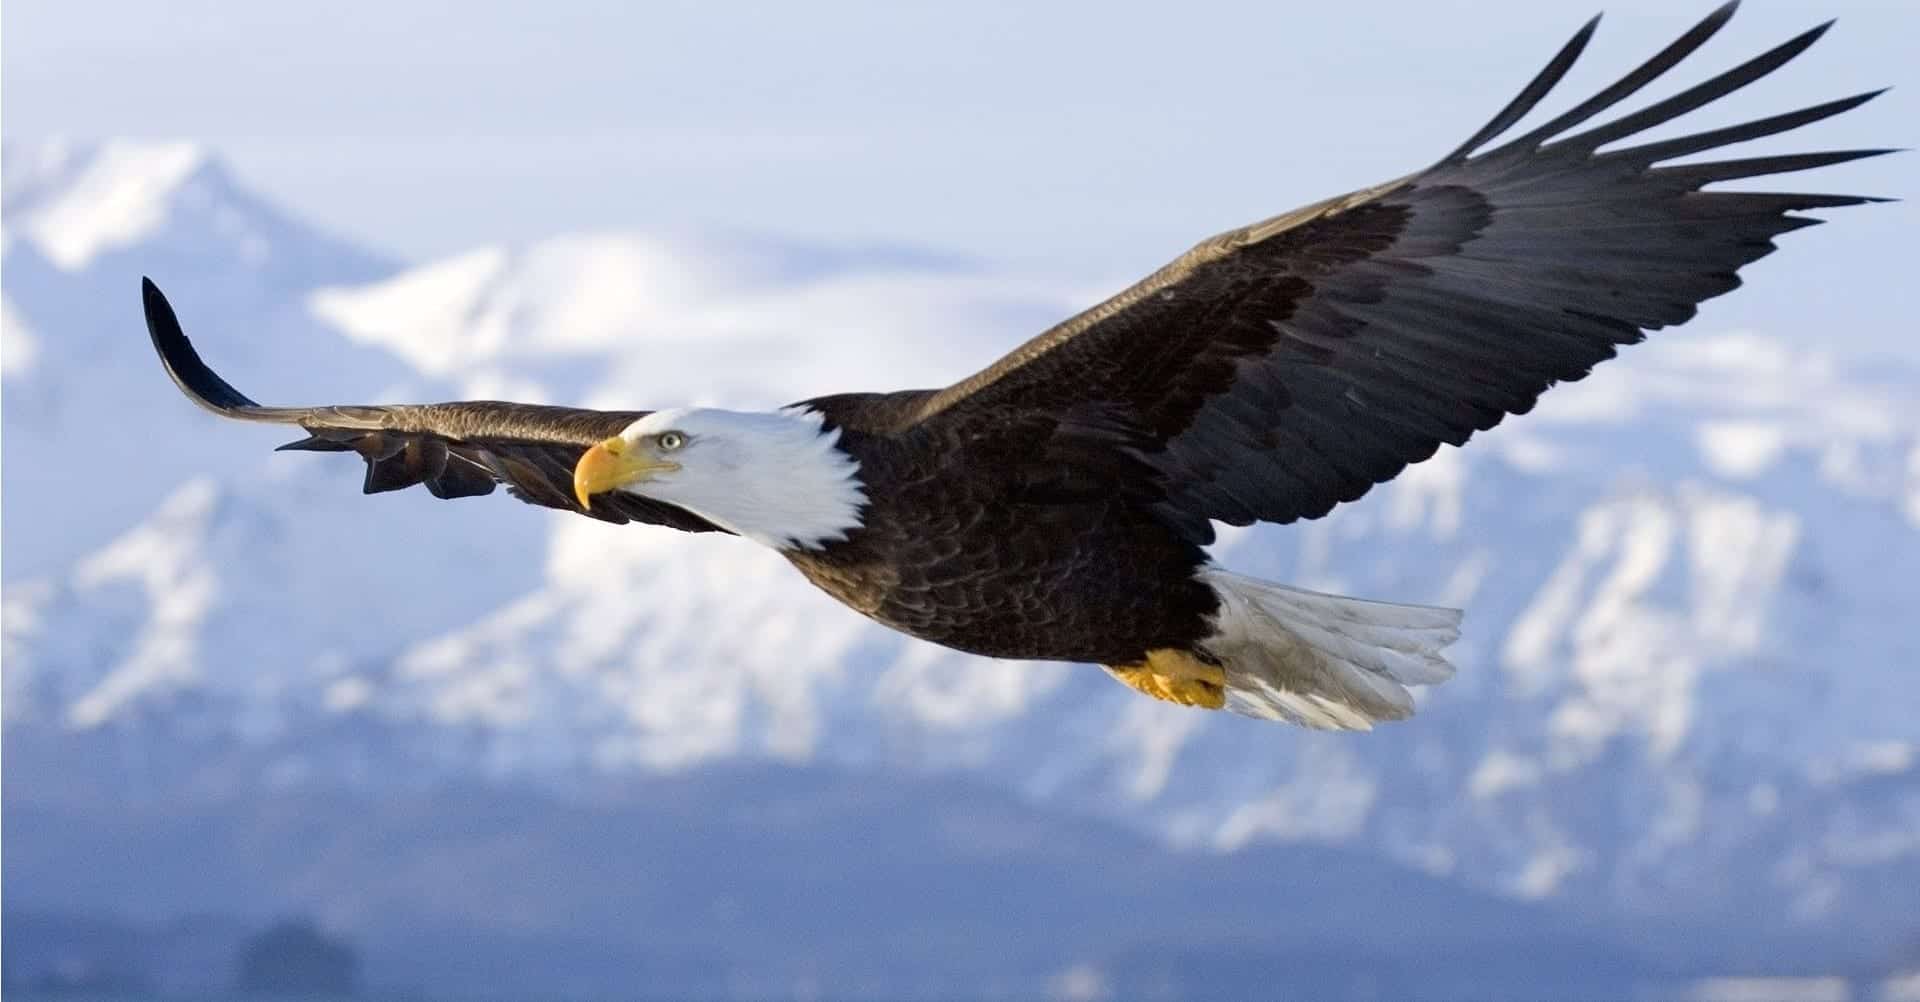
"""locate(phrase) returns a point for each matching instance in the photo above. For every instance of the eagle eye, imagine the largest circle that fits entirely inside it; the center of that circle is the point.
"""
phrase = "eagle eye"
(671, 440)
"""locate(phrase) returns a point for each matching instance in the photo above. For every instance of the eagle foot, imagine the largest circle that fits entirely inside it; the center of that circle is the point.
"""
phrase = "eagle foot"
(1176, 676)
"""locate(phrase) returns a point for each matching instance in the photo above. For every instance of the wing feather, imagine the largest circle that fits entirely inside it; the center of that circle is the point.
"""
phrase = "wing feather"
(460, 449)
(1626, 86)
(1277, 370)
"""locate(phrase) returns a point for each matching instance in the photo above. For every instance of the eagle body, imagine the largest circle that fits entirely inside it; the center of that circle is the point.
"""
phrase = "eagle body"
(1077, 569)
(1058, 504)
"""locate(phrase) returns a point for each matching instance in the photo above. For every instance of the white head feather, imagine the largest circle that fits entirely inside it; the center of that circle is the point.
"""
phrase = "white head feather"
(775, 477)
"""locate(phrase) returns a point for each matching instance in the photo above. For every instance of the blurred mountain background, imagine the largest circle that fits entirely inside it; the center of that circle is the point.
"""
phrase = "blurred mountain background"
(504, 750)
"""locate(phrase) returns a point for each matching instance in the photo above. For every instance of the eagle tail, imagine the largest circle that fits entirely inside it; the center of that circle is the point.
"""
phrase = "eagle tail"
(1321, 660)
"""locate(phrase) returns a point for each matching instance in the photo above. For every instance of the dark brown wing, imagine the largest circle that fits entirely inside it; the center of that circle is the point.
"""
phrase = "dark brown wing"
(1277, 370)
(455, 450)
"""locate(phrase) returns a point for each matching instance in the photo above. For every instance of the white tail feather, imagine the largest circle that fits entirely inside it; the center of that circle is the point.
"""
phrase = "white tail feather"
(1322, 660)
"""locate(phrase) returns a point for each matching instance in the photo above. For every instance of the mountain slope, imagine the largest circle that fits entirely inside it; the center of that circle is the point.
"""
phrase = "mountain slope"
(799, 882)
(1686, 679)
(81, 411)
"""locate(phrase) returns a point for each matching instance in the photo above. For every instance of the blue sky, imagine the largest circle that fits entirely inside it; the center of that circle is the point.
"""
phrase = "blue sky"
(1080, 140)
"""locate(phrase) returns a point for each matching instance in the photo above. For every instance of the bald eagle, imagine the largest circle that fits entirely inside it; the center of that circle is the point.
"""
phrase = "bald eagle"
(1057, 504)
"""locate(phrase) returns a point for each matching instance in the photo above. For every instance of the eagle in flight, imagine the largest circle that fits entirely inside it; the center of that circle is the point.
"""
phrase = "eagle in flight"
(1057, 504)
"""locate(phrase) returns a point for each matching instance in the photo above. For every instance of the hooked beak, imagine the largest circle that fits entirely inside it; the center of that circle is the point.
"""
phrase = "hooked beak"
(613, 464)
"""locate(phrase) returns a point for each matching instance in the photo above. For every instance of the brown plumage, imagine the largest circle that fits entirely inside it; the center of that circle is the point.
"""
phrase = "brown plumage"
(1055, 505)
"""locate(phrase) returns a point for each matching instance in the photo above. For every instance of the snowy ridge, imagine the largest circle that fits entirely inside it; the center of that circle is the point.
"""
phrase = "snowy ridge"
(611, 318)
(82, 224)
(1685, 665)
(76, 203)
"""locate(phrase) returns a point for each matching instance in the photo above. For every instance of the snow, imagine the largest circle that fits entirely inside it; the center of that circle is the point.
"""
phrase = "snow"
(1429, 493)
(1913, 485)
(1687, 578)
(1831, 989)
(1903, 987)
(1079, 983)
(1880, 758)
(115, 199)
(19, 348)
(348, 694)
(23, 609)
(1541, 875)
(608, 318)
(1501, 772)
(1154, 741)
(1329, 802)
(428, 316)
(161, 560)
(72, 318)
(1741, 449)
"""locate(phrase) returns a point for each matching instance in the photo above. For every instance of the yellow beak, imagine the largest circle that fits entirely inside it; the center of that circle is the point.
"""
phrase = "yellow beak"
(612, 464)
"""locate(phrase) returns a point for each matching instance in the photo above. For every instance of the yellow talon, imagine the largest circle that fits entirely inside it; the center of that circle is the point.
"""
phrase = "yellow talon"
(1176, 676)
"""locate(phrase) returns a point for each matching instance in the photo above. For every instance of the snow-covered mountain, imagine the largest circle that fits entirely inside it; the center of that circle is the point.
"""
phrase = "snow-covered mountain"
(82, 224)
(1687, 681)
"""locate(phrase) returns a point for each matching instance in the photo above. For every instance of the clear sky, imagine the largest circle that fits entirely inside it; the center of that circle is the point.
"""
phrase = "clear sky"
(1086, 140)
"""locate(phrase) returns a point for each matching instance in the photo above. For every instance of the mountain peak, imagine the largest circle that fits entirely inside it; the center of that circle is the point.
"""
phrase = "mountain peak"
(76, 207)
(1685, 666)
(78, 200)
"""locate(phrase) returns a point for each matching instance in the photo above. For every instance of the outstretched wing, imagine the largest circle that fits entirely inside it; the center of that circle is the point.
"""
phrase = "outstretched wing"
(1280, 369)
(459, 449)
